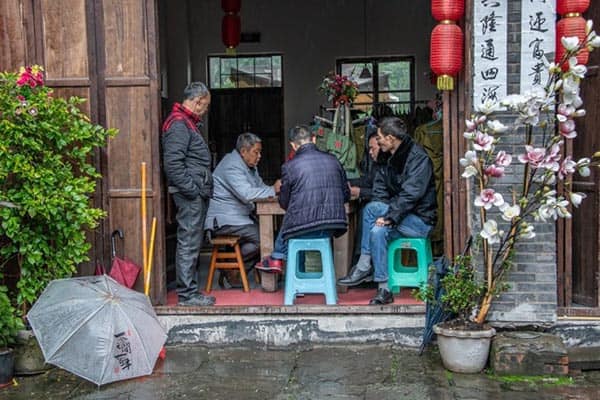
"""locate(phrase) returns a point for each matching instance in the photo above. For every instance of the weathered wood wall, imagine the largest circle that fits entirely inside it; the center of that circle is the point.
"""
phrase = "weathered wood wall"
(107, 52)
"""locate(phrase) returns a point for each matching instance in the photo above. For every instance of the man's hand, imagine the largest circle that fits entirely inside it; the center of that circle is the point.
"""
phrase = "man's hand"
(277, 186)
(382, 222)
(354, 192)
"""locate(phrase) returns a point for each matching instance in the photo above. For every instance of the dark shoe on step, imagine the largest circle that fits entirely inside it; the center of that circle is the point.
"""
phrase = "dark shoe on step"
(356, 277)
(383, 296)
(197, 301)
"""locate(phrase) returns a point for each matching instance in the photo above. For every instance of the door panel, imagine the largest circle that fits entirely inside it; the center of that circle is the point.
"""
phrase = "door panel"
(259, 111)
(65, 44)
(128, 89)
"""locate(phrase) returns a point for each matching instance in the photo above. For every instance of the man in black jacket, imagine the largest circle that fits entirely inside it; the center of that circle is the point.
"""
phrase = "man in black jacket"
(186, 161)
(406, 206)
(313, 192)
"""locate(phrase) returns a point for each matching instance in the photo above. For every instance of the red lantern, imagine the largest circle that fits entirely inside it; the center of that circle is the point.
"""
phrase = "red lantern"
(231, 28)
(564, 7)
(451, 10)
(567, 27)
(231, 6)
(446, 54)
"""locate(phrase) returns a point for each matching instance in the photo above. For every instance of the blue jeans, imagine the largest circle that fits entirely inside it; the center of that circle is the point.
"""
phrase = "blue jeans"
(374, 239)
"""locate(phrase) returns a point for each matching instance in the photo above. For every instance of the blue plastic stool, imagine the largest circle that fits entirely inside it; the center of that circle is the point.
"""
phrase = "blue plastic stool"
(401, 275)
(298, 281)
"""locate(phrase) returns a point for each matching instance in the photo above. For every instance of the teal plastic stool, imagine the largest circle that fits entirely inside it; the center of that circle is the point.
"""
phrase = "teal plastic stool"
(401, 275)
(298, 281)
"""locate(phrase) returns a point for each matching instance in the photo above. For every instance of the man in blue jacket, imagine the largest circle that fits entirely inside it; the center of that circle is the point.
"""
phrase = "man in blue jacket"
(406, 206)
(313, 192)
(186, 162)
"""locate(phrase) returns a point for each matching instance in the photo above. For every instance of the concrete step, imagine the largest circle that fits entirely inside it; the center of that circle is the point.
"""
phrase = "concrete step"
(584, 358)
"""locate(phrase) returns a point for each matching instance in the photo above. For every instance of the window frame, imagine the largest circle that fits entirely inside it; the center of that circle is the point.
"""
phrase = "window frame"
(376, 92)
(254, 74)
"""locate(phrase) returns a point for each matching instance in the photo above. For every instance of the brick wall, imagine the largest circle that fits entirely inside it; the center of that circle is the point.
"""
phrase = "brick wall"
(532, 297)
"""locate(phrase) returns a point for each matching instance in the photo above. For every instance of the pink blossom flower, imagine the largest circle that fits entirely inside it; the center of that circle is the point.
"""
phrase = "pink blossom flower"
(483, 141)
(487, 198)
(31, 76)
(494, 171)
(566, 168)
(533, 156)
(567, 129)
(552, 159)
(503, 159)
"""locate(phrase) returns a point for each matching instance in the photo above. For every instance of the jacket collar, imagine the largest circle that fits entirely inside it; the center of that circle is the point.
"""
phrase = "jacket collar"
(398, 159)
(306, 147)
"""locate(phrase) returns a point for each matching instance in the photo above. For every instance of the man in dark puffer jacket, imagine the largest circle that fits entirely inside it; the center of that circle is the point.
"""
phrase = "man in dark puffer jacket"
(405, 206)
(313, 193)
(186, 161)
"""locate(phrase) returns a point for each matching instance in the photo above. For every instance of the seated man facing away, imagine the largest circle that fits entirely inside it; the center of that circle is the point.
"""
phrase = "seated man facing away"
(313, 193)
(237, 185)
(407, 181)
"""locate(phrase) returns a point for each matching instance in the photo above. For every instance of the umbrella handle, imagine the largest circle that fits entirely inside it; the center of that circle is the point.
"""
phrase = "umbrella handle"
(113, 246)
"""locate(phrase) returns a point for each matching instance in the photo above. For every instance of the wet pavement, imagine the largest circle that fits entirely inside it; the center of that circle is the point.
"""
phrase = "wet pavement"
(329, 372)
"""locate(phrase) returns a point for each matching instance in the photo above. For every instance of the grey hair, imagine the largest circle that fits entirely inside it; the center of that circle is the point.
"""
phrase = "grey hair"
(246, 140)
(393, 126)
(194, 90)
(300, 134)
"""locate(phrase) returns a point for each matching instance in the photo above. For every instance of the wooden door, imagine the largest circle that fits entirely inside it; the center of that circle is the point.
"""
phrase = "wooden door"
(106, 52)
(259, 111)
(586, 219)
(128, 91)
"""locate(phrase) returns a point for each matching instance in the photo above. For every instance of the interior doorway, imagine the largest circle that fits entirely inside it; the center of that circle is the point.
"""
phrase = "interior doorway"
(309, 44)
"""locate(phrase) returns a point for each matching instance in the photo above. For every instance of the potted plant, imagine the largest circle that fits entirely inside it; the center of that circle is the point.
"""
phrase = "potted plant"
(10, 324)
(545, 121)
(47, 179)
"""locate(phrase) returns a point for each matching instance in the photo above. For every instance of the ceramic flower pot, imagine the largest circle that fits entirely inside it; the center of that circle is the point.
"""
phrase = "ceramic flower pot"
(6, 366)
(465, 351)
(29, 359)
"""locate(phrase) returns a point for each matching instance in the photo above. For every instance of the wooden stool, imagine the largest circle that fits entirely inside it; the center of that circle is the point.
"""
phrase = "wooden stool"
(226, 259)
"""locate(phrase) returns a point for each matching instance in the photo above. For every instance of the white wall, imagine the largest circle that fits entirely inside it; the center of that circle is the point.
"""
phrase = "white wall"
(310, 34)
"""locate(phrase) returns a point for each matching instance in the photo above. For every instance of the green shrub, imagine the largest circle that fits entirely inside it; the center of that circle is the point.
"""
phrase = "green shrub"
(47, 175)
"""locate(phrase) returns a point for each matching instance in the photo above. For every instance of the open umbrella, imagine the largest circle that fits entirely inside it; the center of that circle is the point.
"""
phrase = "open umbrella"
(97, 329)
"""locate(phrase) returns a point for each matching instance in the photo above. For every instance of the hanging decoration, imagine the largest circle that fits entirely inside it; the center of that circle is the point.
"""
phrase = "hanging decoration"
(231, 25)
(447, 41)
(571, 24)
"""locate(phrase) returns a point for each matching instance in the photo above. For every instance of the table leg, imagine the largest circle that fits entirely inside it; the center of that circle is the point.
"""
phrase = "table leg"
(342, 248)
(265, 226)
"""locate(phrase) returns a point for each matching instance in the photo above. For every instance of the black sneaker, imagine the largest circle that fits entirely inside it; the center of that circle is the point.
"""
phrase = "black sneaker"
(198, 301)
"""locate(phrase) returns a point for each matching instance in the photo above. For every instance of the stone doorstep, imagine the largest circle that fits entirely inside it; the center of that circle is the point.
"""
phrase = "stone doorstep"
(528, 353)
(584, 358)
(282, 329)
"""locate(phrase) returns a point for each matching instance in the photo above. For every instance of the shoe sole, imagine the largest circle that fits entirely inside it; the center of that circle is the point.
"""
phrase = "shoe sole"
(363, 280)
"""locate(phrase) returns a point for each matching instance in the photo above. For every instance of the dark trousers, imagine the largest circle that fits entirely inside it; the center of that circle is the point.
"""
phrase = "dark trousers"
(190, 235)
(249, 241)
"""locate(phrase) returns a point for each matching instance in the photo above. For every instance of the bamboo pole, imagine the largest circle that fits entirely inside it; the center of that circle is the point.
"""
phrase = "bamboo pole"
(144, 217)
(150, 257)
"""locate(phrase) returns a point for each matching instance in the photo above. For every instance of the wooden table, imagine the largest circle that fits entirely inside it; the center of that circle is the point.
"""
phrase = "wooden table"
(268, 209)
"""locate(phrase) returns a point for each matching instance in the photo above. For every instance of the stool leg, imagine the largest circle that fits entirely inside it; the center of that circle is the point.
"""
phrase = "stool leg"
(240, 261)
(289, 292)
(329, 276)
(211, 270)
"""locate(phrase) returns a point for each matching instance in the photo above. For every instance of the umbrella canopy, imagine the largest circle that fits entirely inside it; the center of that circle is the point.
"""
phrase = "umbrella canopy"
(97, 329)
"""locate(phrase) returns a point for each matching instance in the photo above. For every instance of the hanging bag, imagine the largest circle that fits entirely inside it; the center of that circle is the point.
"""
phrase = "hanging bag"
(339, 141)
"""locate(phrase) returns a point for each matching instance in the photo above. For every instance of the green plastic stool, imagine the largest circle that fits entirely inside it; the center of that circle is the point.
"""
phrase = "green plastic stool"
(400, 275)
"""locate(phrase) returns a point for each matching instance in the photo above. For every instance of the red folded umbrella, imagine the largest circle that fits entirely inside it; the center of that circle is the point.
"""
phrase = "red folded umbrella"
(122, 270)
